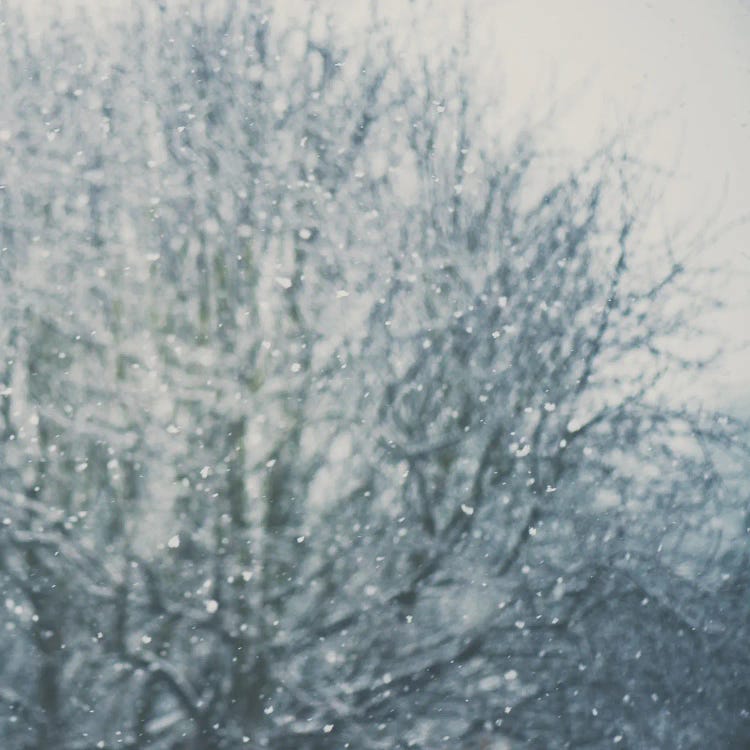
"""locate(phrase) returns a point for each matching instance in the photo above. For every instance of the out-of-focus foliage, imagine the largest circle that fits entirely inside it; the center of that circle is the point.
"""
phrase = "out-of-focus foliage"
(327, 420)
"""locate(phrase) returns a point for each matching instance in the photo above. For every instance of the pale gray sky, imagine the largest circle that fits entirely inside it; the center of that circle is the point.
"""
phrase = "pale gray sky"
(626, 59)
(623, 60)
(620, 62)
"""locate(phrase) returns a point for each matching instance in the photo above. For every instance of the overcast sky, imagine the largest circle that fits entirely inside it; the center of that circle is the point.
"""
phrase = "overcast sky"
(623, 60)
(626, 59)
(619, 63)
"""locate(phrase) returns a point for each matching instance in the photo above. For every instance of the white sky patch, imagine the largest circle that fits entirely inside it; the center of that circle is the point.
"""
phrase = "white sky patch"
(612, 65)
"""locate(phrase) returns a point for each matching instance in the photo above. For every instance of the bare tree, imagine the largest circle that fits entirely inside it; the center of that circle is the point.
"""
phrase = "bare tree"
(330, 419)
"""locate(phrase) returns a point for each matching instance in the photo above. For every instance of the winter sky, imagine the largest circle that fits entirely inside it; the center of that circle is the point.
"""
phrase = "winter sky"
(689, 59)
(618, 62)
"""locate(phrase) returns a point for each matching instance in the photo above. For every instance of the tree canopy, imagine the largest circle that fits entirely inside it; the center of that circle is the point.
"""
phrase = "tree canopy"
(329, 418)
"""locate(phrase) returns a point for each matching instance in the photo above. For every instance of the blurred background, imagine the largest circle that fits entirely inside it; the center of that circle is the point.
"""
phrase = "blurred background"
(372, 375)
